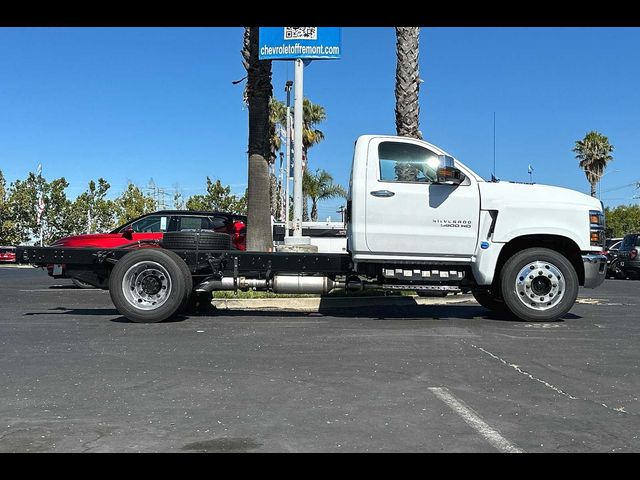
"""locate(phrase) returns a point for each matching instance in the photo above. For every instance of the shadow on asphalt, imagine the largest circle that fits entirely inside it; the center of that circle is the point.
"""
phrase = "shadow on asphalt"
(75, 311)
(416, 312)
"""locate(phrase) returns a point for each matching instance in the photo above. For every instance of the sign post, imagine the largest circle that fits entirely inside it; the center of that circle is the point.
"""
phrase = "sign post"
(300, 44)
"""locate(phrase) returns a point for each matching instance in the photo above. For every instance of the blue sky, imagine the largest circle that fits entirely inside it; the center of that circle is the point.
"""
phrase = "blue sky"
(131, 104)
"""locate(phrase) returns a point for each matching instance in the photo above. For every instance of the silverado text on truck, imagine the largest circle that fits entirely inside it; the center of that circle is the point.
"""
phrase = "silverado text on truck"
(417, 219)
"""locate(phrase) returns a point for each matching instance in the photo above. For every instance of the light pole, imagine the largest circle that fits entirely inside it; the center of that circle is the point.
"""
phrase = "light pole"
(287, 88)
(297, 148)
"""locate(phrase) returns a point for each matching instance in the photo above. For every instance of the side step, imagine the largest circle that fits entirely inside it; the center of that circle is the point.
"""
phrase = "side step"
(440, 288)
(418, 274)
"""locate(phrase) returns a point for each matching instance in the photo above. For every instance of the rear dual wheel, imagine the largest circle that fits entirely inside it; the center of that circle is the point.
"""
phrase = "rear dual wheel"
(150, 285)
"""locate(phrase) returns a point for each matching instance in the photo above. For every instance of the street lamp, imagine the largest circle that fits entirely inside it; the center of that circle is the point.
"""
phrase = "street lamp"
(287, 89)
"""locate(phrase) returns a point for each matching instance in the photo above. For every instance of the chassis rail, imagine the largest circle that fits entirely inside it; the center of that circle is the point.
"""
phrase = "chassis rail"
(200, 262)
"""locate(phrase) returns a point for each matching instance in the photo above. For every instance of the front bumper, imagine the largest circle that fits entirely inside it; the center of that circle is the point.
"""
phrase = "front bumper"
(595, 270)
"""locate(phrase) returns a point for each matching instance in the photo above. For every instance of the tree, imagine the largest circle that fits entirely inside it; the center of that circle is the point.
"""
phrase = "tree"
(313, 115)
(407, 82)
(9, 234)
(218, 198)
(622, 220)
(132, 204)
(407, 90)
(57, 211)
(22, 199)
(92, 211)
(594, 153)
(258, 92)
(20, 218)
(318, 187)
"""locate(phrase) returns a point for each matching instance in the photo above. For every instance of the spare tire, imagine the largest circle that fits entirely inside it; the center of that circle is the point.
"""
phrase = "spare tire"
(196, 241)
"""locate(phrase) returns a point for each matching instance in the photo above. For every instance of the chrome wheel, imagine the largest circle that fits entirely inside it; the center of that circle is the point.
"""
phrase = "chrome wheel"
(540, 285)
(146, 285)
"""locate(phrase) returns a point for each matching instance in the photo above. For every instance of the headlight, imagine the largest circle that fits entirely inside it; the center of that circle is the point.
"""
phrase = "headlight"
(596, 225)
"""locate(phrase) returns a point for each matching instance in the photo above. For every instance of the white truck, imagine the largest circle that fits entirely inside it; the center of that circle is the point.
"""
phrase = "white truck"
(417, 219)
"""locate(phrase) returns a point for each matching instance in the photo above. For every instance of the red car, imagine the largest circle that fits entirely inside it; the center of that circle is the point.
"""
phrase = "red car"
(152, 226)
(7, 254)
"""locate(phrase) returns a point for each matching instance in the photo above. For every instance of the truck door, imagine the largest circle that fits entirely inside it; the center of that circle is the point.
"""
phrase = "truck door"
(407, 213)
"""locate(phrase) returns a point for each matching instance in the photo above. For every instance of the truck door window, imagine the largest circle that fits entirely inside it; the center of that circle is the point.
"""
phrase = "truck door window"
(407, 162)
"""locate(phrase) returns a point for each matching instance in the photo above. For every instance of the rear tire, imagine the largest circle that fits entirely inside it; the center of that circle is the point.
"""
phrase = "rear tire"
(188, 279)
(148, 285)
(539, 285)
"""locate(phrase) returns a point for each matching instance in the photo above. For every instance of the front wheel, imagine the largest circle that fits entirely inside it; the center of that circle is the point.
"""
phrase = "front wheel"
(539, 285)
(148, 285)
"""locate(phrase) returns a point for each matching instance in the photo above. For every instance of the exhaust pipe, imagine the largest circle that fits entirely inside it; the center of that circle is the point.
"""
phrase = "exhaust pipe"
(280, 284)
(227, 283)
(300, 284)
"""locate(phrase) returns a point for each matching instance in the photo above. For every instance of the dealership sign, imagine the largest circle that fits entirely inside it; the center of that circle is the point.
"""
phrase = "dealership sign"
(289, 43)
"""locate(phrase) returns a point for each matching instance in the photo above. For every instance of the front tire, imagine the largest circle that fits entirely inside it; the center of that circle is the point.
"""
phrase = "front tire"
(539, 285)
(148, 286)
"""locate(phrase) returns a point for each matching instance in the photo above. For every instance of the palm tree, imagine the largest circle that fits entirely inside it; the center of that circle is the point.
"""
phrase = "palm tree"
(277, 121)
(594, 153)
(258, 92)
(407, 82)
(407, 90)
(313, 115)
(320, 186)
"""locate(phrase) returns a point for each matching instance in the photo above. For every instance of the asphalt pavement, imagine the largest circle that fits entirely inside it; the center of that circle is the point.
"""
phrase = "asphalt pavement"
(78, 377)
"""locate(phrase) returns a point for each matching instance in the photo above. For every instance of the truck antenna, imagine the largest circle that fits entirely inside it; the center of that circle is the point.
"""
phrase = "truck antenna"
(494, 147)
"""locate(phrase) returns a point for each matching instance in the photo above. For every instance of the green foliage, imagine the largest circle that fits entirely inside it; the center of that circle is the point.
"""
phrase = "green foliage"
(313, 115)
(622, 220)
(56, 218)
(218, 198)
(593, 153)
(92, 212)
(9, 232)
(319, 186)
(133, 203)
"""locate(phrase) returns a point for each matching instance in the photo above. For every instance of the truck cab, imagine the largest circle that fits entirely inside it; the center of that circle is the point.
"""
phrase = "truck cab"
(414, 209)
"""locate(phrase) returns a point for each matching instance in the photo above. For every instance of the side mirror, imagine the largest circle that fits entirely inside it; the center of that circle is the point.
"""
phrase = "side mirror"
(127, 232)
(448, 173)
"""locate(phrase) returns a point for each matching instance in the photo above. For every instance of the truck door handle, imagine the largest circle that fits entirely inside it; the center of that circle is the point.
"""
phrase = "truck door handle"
(382, 193)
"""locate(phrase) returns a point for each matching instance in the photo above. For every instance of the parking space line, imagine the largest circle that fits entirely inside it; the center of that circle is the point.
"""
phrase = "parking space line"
(474, 421)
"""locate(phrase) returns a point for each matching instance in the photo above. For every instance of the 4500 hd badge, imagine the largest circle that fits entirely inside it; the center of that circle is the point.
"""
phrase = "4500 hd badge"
(453, 223)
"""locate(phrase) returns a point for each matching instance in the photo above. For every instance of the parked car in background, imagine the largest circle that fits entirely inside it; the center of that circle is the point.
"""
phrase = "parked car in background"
(147, 231)
(7, 254)
(628, 258)
(612, 246)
